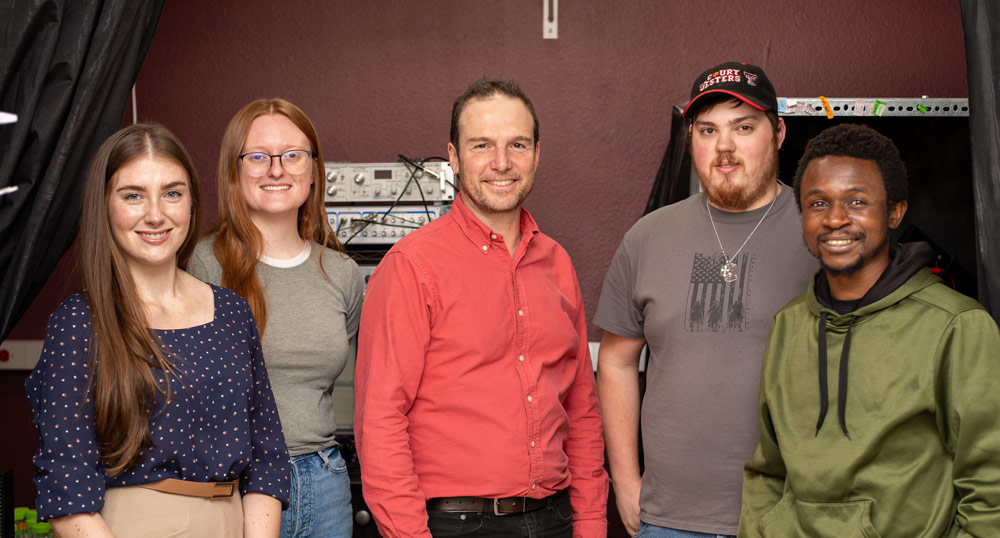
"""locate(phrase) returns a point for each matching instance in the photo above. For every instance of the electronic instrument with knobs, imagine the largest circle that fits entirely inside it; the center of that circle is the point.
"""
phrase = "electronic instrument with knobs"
(426, 182)
(380, 225)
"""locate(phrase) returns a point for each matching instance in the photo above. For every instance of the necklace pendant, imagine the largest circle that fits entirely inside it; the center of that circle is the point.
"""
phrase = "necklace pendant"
(728, 271)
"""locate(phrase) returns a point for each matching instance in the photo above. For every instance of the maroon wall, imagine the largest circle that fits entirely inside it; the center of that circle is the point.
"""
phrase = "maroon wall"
(378, 78)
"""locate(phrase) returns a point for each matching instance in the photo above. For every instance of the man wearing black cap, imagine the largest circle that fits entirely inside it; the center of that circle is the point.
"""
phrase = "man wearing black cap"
(698, 282)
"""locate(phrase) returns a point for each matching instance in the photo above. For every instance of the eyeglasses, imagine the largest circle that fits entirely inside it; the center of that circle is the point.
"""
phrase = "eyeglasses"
(294, 161)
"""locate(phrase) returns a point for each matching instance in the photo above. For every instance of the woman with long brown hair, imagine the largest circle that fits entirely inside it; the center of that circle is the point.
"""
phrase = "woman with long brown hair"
(151, 399)
(274, 246)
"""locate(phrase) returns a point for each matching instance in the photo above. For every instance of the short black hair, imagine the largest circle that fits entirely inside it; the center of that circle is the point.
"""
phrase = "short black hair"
(488, 87)
(861, 142)
(711, 100)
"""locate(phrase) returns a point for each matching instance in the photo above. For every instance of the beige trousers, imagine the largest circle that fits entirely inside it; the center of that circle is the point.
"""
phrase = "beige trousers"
(137, 512)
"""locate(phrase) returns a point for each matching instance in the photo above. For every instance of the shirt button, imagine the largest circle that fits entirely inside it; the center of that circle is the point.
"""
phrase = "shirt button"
(520, 312)
(532, 444)
(533, 486)
(493, 236)
(484, 247)
(529, 398)
(520, 358)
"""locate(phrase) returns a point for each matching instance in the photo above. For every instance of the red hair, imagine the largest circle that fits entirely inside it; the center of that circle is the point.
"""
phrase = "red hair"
(238, 243)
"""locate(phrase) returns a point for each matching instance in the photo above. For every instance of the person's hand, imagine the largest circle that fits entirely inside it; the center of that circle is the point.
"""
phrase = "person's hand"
(627, 499)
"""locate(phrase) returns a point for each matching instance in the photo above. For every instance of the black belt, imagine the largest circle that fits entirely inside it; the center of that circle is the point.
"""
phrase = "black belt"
(504, 506)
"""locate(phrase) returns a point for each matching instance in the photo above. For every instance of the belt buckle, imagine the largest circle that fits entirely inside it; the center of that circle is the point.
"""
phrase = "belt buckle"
(231, 485)
(498, 513)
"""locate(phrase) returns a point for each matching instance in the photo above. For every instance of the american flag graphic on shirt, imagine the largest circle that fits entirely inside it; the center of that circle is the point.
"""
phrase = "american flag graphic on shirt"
(716, 305)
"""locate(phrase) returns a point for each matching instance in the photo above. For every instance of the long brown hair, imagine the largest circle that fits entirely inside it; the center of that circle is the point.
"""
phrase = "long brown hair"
(123, 350)
(238, 243)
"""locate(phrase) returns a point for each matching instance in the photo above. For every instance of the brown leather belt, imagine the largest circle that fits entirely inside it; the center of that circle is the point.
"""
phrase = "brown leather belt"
(209, 490)
(504, 506)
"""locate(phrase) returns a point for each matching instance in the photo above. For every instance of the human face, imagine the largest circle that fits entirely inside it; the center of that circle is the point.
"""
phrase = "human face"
(149, 208)
(845, 220)
(734, 150)
(276, 193)
(496, 155)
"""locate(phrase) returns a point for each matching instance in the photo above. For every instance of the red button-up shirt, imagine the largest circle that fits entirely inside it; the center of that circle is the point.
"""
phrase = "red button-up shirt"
(474, 377)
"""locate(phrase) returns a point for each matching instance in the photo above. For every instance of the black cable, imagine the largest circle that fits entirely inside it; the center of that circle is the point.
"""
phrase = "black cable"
(392, 206)
(445, 160)
(421, 163)
(412, 179)
(412, 167)
(417, 166)
(412, 226)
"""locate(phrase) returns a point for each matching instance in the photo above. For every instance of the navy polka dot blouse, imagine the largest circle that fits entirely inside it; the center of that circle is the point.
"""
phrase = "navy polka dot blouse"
(221, 423)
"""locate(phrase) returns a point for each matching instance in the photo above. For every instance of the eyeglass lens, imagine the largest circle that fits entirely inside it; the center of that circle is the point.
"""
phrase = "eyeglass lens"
(294, 161)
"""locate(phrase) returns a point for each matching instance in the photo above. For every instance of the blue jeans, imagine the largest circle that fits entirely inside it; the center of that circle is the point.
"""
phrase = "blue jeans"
(647, 530)
(320, 499)
(555, 520)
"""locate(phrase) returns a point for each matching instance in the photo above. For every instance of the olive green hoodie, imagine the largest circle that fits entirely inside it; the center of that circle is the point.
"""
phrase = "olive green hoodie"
(914, 450)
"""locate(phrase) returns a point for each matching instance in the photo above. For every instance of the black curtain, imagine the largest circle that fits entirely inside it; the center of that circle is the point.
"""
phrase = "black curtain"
(672, 182)
(66, 70)
(981, 22)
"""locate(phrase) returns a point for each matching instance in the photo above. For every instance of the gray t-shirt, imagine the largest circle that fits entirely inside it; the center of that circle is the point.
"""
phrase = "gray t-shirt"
(311, 321)
(706, 339)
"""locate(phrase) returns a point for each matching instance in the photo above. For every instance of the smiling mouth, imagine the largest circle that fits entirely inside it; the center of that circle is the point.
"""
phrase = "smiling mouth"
(500, 182)
(839, 244)
(153, 237)
(276, 188)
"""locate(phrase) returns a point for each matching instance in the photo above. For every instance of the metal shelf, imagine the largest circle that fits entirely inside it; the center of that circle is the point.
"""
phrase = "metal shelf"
(844, 107)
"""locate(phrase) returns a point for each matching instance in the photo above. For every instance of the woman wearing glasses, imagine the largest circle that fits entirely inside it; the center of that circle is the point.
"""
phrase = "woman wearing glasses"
(151, 398)
(274, 247)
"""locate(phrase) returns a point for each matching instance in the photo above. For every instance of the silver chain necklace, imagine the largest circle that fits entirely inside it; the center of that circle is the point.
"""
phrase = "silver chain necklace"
(728, 268)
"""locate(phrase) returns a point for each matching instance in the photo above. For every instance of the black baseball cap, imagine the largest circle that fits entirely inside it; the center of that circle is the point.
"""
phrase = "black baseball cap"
(746, 82)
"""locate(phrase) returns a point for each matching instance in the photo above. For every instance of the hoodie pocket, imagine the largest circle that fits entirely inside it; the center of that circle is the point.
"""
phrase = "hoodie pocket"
(793, 517)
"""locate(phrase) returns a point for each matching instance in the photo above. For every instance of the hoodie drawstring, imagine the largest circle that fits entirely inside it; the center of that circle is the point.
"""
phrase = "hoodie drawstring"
(823, 396)
(842, 382)
(842, 376)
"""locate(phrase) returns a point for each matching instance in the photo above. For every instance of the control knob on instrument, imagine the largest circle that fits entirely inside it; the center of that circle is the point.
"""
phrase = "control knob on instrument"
(359, 179)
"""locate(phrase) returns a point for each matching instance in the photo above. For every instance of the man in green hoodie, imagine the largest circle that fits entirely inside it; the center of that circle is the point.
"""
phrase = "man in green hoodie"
(908, 364)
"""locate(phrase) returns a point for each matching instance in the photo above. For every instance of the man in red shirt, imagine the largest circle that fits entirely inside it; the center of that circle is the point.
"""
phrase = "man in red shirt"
(476, 411)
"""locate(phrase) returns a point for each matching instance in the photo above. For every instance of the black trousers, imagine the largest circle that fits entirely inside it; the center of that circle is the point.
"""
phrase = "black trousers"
(555, 520)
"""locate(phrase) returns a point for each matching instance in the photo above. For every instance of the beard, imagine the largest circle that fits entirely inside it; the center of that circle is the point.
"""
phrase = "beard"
(488, 202)
(733, 197)
(857, 264)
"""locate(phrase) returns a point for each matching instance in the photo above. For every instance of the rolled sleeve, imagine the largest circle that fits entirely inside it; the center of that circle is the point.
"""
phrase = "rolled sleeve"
(68, 474)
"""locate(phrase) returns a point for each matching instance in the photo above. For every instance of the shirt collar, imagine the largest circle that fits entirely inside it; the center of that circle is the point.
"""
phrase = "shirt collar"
(481, 235)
